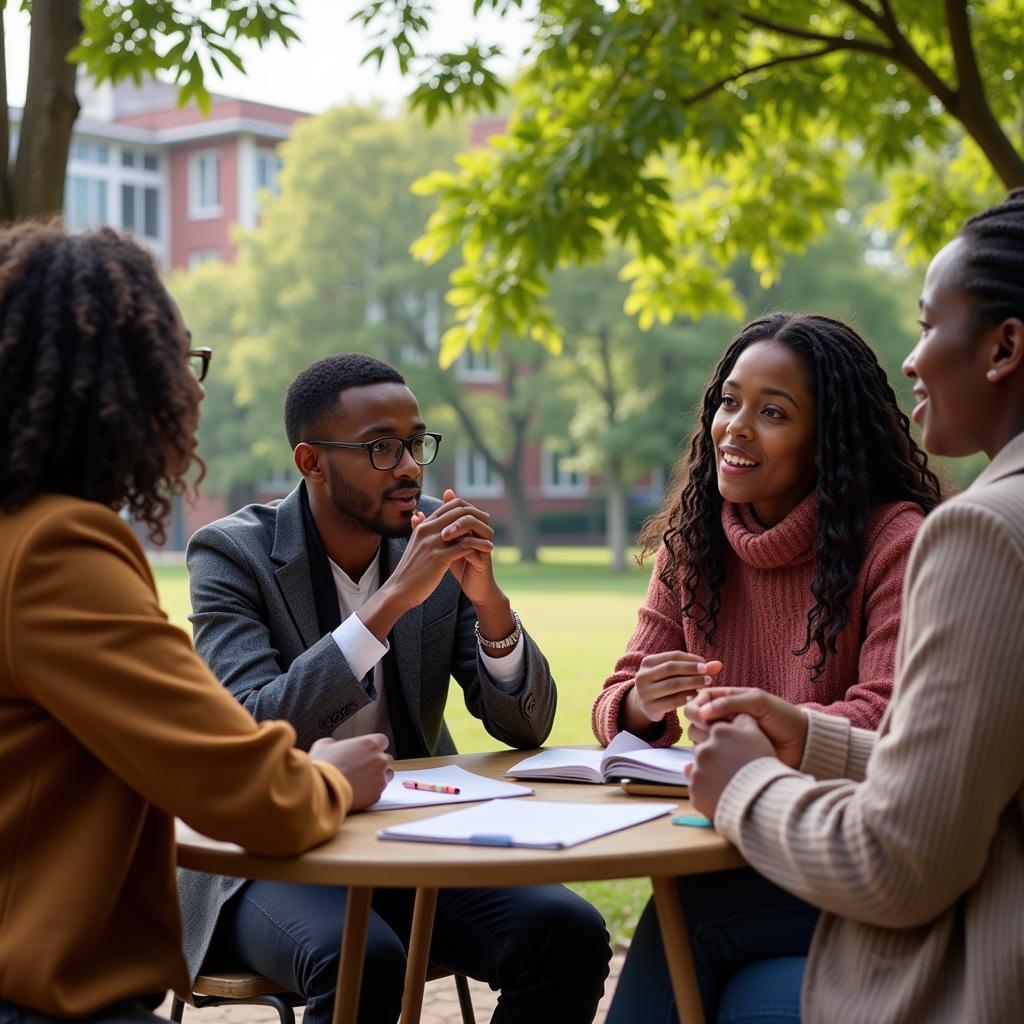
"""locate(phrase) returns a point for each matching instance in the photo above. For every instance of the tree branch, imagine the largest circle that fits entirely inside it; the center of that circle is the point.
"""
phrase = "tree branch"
(791, 58)
(876, 19)
(968, 77)
(889, 17)
(836, 42)
(900, 51)
(970, 104)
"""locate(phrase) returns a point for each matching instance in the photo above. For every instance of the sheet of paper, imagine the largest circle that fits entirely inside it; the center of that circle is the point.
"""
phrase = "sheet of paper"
(471, 787)
(538, 824)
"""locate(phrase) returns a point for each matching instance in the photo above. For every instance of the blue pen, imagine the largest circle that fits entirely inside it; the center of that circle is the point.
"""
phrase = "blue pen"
(490, 839)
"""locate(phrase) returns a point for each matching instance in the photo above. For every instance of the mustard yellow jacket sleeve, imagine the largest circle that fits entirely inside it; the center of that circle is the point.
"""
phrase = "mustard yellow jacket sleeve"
(86, 639)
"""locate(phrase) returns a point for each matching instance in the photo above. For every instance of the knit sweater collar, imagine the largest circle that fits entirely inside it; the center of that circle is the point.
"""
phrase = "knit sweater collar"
(790, 542)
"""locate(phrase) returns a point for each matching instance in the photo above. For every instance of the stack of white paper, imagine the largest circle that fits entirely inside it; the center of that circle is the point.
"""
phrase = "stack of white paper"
(537, 824)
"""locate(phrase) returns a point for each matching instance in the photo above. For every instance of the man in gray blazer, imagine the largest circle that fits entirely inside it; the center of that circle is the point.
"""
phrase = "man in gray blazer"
(345, 609)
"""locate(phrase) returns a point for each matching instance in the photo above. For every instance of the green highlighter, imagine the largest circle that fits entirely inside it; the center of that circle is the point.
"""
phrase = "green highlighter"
(696, 820)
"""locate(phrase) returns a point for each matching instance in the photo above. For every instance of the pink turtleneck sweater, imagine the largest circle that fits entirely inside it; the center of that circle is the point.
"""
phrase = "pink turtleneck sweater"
(763, 619)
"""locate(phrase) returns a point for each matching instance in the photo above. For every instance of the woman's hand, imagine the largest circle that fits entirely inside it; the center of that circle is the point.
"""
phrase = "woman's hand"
(363, 760)
(663, 683)
(784, 724)
(730, 746)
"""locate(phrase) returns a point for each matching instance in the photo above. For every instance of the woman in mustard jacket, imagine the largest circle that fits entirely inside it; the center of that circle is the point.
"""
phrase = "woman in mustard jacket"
(110, 725)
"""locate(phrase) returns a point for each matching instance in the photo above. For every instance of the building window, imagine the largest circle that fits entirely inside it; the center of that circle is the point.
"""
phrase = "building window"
(478, 364)
(474, 477)
(147, 161)
(268, 167)
(199, 256)
(85, 202)
(204, 185)
(89, 152)
(556, 479)
(140, 210)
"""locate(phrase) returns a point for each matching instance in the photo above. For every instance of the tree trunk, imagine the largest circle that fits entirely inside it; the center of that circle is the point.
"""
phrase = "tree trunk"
(524, 530)
(5, 133)
(51, 109)
(616, 518)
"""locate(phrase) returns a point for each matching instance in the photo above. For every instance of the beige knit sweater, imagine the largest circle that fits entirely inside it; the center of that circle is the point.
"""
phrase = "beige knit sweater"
(919, 860)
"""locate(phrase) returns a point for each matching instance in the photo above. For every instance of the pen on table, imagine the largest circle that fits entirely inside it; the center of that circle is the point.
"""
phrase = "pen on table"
(430, 787)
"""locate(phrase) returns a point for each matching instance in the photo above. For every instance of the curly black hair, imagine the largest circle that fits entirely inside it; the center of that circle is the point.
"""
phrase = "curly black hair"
(865, 456)
(315, 392)
(994, 265)
(95, 389)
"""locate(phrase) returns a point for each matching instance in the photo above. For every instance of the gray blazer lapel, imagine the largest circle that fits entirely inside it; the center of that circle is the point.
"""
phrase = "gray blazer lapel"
(406, 636)
(293, 577)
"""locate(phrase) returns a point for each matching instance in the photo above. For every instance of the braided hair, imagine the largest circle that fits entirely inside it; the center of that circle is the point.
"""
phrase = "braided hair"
(865, 456)
(994, 271)
(95, 390)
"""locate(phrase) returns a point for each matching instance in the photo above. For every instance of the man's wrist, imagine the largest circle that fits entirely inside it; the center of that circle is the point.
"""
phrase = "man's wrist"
(494, 617)
(382, 611)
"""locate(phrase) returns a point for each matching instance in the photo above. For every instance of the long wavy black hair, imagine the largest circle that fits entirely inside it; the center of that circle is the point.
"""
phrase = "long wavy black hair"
(95, 389)
(865, 456)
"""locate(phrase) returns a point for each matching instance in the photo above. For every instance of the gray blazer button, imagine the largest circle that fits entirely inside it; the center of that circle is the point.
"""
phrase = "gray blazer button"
(530, 704)
(325, 723)
(348, 710)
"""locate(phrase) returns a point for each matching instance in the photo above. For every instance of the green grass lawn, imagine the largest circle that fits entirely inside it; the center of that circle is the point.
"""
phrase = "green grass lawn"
(581, 615)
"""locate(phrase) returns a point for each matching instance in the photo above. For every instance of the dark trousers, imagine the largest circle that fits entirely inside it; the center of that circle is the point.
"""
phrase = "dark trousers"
(749, 940)
(122, 1013)
(543, 947)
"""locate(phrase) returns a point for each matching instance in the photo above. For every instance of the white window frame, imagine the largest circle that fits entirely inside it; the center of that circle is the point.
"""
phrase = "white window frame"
(470, 466)
(97, 211)
(138, 227)
(553, 485)
(196, 209)
(266, 153)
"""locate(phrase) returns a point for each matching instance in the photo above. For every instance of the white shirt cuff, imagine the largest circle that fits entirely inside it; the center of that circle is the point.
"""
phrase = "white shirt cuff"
(361, 649)
(506, 672)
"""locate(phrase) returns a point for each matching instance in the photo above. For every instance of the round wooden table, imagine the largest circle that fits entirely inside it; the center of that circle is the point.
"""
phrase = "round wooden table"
(356, 858)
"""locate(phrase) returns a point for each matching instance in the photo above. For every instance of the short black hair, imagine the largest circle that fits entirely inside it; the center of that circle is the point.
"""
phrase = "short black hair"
(994, 271)
(95, 389)
(315, 393)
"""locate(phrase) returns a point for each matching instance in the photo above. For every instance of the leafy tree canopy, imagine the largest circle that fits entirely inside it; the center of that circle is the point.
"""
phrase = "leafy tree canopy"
(695, 133)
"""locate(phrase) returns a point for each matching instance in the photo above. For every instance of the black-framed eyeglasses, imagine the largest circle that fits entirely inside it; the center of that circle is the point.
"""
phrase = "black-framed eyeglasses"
(386, 452)
(199, 362)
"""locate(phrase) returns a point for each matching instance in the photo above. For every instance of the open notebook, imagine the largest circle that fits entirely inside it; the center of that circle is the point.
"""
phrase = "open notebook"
(626, 757)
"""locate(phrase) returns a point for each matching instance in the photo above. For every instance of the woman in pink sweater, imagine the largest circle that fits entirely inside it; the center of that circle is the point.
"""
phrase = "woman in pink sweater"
(781, 557)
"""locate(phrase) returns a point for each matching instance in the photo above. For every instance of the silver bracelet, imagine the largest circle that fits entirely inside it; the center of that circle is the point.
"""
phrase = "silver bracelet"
(501, 645)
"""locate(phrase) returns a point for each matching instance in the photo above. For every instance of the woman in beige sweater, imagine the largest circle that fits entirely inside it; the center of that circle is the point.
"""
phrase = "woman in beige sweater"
(911, 840)
(109, 723)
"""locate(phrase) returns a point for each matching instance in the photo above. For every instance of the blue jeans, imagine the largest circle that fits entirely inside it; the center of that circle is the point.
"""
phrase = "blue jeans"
(122, 1013)
(749, 940)
(543, 947)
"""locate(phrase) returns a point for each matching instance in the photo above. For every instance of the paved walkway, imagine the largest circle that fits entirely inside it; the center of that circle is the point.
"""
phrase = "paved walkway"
(440, 1005)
